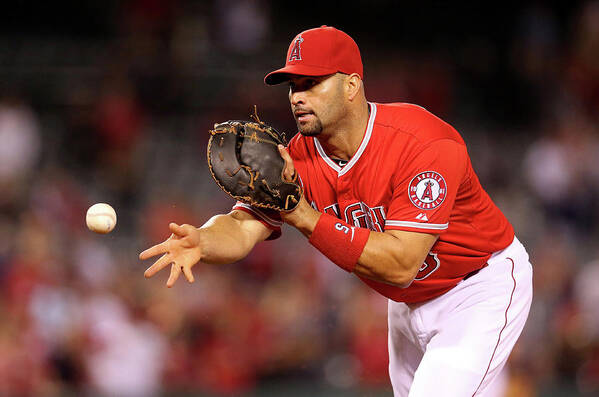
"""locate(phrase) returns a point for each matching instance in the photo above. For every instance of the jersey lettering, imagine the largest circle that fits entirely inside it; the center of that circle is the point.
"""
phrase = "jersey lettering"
(358, 214)
(332, 209)
(430, 265)
(361, 215)
(377, 215)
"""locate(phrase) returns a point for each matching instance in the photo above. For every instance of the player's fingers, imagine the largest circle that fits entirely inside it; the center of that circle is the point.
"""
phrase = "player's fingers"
(187, 228)
(188, 274)
(155, 250)
(175, 272)
(158, 265)
(177, 230)
(289, 171)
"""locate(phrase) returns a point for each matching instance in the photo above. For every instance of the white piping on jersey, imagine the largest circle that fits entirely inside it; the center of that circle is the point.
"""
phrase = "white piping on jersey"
(341, 171)
(260, 214)
(419, 225)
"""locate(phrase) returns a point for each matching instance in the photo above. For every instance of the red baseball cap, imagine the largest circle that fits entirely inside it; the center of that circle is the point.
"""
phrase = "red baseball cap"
(319, 52)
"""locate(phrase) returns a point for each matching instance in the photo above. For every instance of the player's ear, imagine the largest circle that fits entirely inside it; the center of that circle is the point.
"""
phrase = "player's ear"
(353, 83)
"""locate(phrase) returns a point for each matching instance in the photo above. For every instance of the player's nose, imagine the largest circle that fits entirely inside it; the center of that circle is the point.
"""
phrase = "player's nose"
(297, 98)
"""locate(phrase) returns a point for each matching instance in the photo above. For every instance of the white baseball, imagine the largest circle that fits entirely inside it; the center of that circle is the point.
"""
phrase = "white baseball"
(100, 218)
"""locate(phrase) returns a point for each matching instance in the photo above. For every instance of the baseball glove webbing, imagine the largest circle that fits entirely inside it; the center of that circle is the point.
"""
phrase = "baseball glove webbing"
(245, 162)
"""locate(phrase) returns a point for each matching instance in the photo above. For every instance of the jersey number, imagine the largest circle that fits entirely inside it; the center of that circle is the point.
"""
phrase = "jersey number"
(430, 265)
(341, 227)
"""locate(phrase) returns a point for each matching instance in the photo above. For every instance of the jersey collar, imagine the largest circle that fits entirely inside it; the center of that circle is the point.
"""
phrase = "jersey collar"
(342, 171)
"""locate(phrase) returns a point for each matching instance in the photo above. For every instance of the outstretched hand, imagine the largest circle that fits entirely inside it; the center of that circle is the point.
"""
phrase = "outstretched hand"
(181, 250)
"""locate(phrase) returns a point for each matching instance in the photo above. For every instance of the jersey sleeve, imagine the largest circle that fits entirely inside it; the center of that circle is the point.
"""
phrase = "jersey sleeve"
(424, 192)
(269, 218)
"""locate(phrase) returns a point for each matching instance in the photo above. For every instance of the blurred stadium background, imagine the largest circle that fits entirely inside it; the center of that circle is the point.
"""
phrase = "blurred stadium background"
(111, 102)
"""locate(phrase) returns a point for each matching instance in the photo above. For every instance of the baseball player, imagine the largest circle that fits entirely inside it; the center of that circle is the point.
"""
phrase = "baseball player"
(390, 195)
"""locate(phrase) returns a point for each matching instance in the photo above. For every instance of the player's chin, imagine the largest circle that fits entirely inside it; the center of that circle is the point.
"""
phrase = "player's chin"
(309, 129)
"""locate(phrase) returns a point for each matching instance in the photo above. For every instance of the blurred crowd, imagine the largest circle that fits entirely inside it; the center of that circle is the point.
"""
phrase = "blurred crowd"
(123, 119)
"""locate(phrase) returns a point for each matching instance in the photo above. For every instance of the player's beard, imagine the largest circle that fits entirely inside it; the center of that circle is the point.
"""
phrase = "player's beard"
(312, 128)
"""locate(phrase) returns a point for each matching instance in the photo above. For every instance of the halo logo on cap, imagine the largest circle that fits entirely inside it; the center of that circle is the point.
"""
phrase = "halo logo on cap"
(319, 52)
(296, 51)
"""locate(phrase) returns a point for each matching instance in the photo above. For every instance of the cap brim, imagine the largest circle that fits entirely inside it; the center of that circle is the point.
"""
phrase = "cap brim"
(284, 74)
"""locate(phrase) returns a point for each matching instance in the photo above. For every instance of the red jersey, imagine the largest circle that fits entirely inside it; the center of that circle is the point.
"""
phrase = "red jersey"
(411, 172)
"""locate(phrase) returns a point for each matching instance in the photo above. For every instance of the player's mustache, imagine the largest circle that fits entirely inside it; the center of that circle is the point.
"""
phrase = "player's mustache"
(300, 111)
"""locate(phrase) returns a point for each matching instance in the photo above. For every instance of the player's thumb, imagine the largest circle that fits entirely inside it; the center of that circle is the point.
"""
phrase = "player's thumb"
(289, 170)
(176, 229)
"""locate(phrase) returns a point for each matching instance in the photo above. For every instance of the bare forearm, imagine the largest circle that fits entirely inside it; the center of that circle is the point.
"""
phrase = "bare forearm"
(385, 258)
(223, 240)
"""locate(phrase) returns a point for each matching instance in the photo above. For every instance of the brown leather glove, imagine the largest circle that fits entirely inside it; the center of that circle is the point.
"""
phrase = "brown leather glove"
(245, 162)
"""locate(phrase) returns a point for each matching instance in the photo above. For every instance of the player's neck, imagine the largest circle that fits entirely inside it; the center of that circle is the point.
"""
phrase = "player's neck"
(346, 136)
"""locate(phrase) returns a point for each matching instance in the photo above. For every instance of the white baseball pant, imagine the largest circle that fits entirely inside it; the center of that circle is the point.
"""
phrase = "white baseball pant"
(456, 345)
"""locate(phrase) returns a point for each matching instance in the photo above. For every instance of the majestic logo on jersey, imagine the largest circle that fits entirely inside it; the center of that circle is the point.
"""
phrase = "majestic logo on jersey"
(427, 190)
(422, 216)
(296, 51)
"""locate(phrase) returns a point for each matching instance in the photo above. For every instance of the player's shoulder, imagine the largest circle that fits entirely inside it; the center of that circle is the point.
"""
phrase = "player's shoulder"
(415, 121)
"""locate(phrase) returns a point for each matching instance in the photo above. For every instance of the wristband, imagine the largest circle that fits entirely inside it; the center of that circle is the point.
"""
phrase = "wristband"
(340, 242)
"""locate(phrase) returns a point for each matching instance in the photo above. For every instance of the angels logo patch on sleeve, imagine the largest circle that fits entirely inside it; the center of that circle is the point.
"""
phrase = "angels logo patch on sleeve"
(427, 190)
